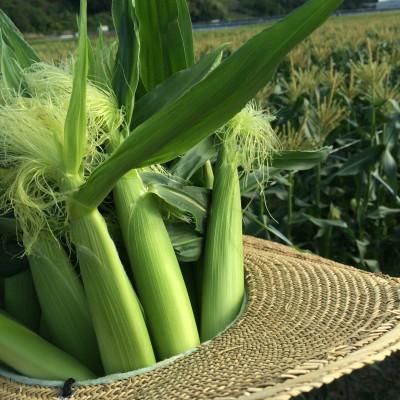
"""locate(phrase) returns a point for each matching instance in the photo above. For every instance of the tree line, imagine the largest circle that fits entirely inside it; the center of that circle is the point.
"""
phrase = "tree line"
(59, 15)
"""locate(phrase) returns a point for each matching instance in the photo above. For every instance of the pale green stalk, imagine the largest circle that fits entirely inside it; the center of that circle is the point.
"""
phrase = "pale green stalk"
(63, 302)
(30, 355)
(223, 271)
(20, 300)
(156, 269)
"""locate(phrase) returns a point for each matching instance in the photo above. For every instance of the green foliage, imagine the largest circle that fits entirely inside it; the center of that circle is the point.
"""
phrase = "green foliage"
(126, 69)
(338, 89)
(213, 101)
(39, 15)
(166, 40)
(205, 10)
(75, 122)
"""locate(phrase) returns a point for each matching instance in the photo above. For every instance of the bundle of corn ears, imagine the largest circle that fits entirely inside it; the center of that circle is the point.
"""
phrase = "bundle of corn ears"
(110, 163)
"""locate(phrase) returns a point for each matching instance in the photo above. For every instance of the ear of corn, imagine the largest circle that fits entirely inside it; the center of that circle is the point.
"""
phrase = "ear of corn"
(247, 141)
(20, 300)
(63, 302)
(208, 175)
(189, 271)
(223, 273)
(155, 268)
(121, 332)
(29, 354)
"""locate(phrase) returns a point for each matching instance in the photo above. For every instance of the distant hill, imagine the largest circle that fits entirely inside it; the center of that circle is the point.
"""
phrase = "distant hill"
(60, 15)
(54, 15)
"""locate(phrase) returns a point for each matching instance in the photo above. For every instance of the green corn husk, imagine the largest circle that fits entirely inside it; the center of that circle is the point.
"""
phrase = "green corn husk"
(63, 302)
(189, 272)
(247, 141)
(44, 330)
(208, 175)
(30, 355)
(20, 300)
(156, 269)
(120, 328)
(223, 273)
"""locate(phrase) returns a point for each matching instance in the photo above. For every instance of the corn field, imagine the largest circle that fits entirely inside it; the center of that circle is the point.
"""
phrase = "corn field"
(339, 90)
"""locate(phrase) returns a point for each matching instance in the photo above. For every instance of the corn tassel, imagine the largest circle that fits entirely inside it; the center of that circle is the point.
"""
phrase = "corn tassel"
(30, 355)
(155, 267)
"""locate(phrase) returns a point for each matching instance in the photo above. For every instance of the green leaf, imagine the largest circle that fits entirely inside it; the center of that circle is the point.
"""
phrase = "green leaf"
(24, 53)
(299, 160)
(390, 169)
(290, 160)
(386, 186)
(254, 180)
(75, 122)
(165, 38)
(186, 30)
(126, 70)
(156, 178)
(194, 159)
(185, 200)
(11, 71)
(382, 212)
(176, 194)
(271, 229)
(326, 223)
(101, 62)
(209, 104)
(359, 162)
(187, 242)
(175, 86)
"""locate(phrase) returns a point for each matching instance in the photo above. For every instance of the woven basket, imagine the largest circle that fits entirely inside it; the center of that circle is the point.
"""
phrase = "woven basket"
(307, 322)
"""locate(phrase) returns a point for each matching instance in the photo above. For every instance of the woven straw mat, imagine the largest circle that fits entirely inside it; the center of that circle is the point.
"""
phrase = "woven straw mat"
(308, 321)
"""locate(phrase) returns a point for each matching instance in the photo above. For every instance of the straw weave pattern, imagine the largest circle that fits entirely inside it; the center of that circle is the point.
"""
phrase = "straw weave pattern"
(308, 321)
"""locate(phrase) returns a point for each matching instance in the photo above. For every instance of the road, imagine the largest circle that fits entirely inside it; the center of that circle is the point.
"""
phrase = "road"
(255, 21)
